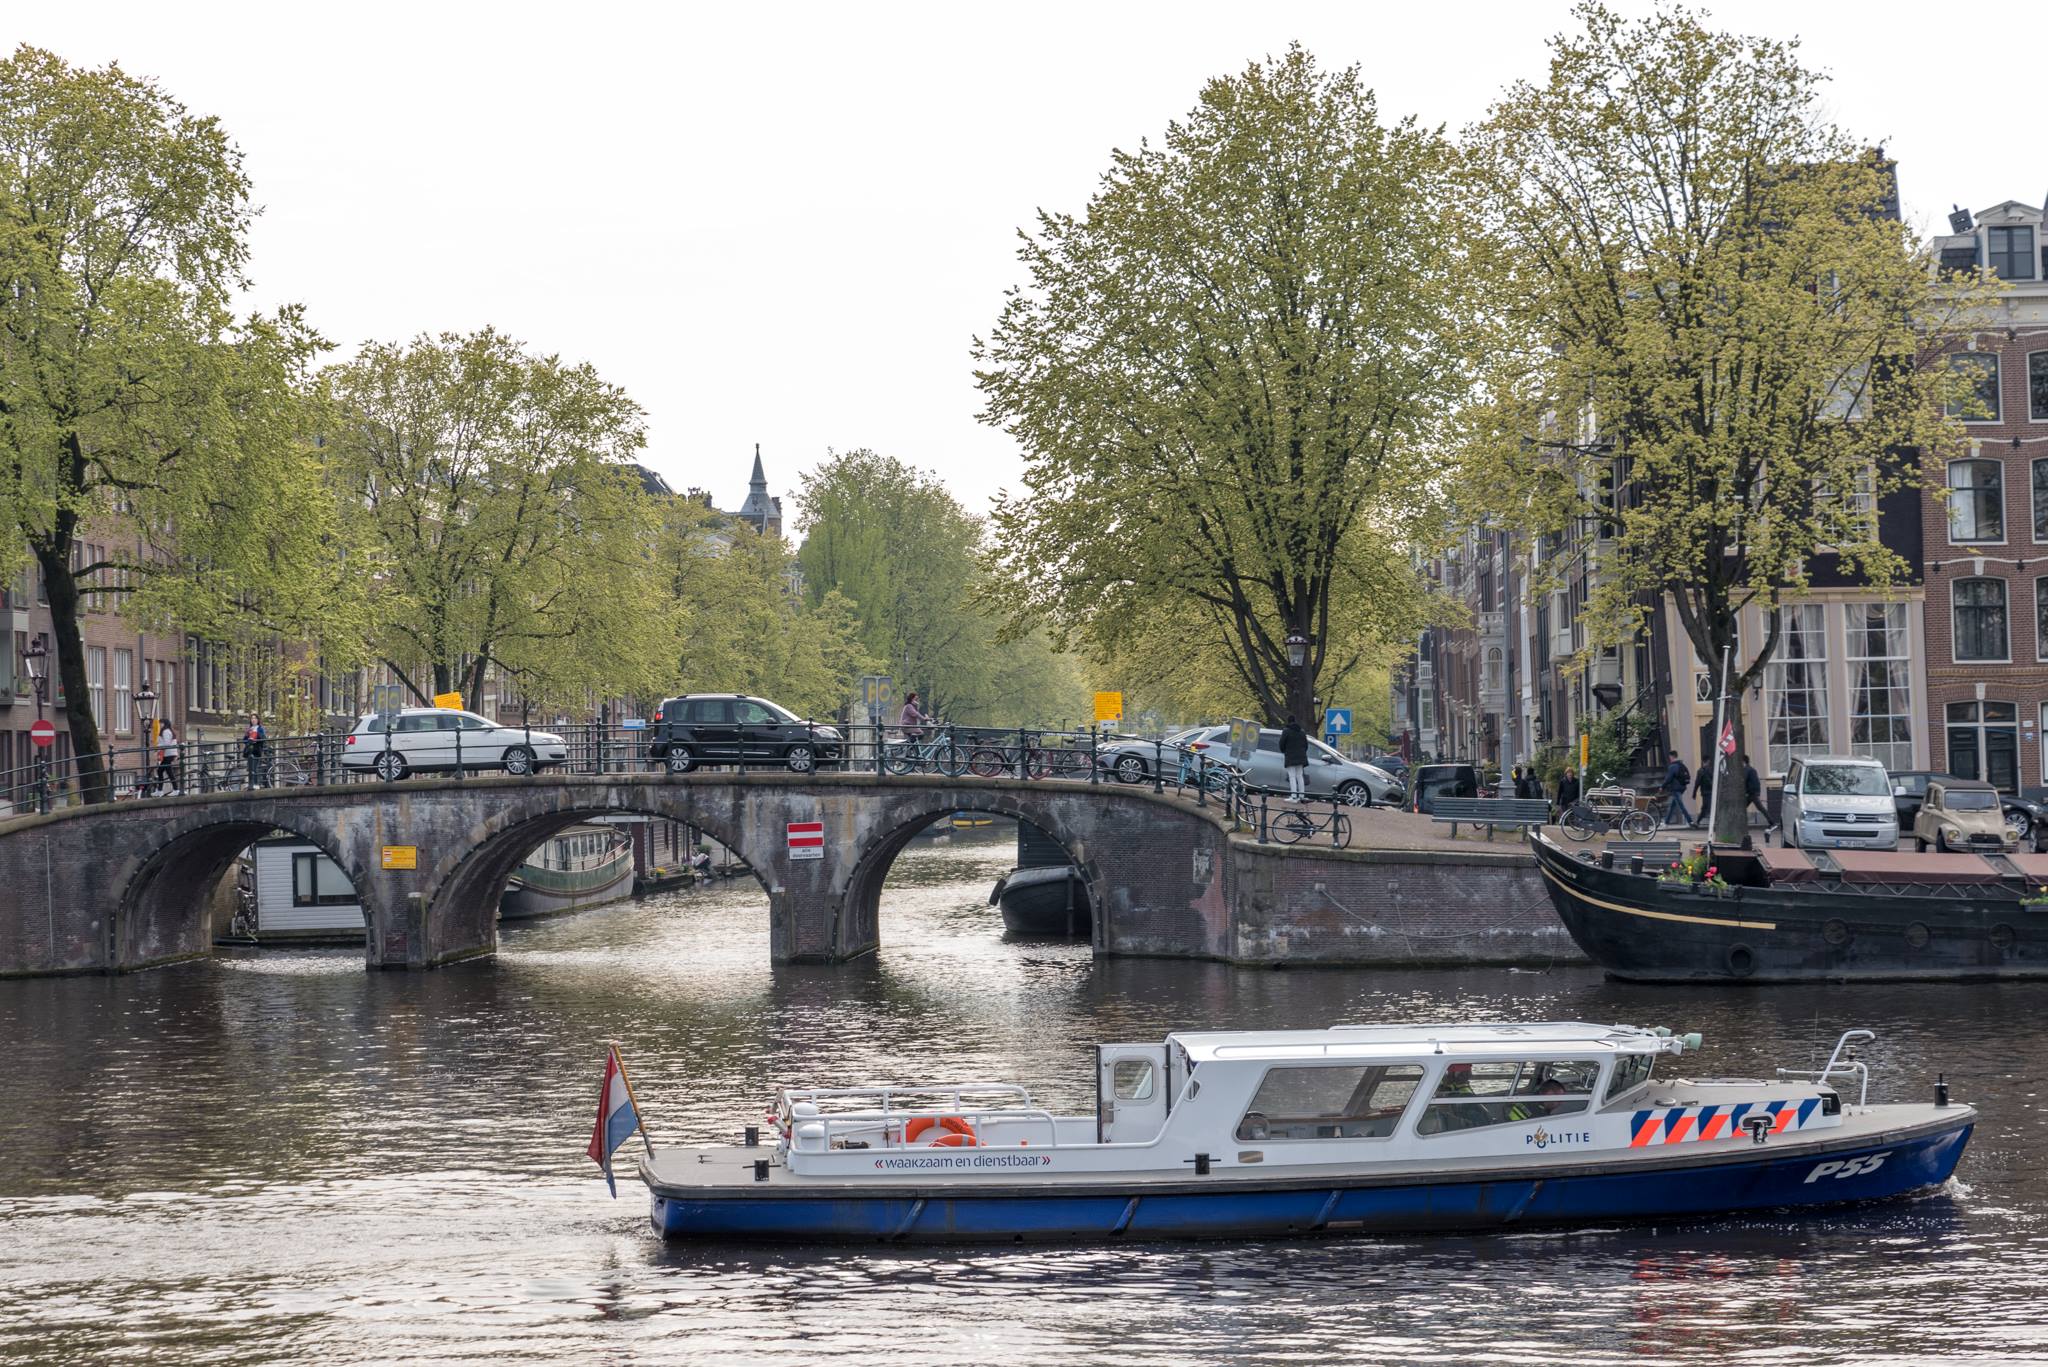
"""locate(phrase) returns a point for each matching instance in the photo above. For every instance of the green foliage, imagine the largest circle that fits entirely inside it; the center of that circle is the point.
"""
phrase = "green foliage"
(128, 388)
(1226, 377)
(904, 556)
(1612, 743)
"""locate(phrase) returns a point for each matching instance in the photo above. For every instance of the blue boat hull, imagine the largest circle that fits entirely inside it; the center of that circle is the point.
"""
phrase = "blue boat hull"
(1752, 1178)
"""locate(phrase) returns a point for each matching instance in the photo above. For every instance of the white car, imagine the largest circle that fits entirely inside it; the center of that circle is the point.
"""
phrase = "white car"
(424, 739)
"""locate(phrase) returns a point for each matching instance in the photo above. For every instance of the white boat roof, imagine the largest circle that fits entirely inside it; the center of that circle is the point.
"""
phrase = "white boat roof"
(1554, 1039)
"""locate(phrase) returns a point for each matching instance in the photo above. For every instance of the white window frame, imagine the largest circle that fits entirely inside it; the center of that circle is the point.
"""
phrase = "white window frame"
(1953, 635)
(1948, 478)
(1997, 387)
(1774, 688)
(1853, 639)
(2032, 415)
(96, 685)
(124, 691)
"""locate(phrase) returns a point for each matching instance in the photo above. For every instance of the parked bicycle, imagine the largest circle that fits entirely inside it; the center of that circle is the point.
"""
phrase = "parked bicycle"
(1605, 809)
(1293, 825)
(1040, 760)
(937, 753)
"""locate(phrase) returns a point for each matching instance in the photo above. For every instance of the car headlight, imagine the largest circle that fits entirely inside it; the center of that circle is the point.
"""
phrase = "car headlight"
(1952, 832)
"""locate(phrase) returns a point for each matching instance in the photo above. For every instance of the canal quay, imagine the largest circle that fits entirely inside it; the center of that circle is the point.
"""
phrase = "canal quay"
(273, 1156)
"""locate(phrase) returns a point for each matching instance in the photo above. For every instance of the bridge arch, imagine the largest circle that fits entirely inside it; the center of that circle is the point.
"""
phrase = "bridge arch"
(162, 913)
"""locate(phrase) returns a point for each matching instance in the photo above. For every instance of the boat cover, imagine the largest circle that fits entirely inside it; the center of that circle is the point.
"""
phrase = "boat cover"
(1786, 866)
(1900, 866)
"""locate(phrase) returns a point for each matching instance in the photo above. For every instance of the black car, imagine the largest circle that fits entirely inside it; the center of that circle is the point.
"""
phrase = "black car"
(2025, 813)
(1433, 781)
(732, 728)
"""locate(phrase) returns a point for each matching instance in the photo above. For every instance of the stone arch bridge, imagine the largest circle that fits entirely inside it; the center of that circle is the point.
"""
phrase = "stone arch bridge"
(123, 886)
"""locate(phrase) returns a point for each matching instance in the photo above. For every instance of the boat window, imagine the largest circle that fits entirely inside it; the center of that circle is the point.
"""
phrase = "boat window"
(1513, 1093)
(1330, 1103)
(1630, 1072)
(1131, 1079)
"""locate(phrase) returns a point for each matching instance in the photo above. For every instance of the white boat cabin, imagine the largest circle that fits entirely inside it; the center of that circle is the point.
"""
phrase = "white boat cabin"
(1399, 1094)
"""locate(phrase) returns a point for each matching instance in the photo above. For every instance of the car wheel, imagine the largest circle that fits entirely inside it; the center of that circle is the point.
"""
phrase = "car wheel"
(1355, 794)
(1129, 769)
(2020, 824)
(518, 760)
(680, 760)
(801, 759)
(1940, 843)
(390, 766)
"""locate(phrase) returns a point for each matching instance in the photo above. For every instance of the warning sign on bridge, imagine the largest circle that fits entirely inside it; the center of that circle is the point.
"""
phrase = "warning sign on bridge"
(806, 839)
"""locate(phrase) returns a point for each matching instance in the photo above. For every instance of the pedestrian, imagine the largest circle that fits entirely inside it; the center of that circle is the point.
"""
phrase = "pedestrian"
(1753, 796)
(1676, 777)
(1567, 792)
(255, 751)
(1703, 793)
(1529, 786)
(1294, 759)
(166, 758)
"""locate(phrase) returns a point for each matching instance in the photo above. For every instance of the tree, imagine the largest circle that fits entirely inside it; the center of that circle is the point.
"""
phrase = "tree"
(1225, 377)
(1708, 321)
(128, 389)
(495, 487)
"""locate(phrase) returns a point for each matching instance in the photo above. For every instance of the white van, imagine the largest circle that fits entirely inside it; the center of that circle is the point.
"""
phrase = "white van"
(1839, 802)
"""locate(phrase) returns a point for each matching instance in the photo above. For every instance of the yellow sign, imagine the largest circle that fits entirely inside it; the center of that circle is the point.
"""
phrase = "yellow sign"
(1109, 707)
(448, 700)
(1585, 751)
(401, 856)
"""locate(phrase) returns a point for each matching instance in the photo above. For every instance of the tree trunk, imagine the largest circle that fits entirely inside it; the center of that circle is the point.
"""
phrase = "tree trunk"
(55, 558)
(1731, 802)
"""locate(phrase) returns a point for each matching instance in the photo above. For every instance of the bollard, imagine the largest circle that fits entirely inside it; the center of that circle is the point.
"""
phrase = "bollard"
(1335, 843)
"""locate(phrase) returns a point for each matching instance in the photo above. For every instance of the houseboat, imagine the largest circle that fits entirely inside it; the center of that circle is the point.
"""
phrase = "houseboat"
(1790, 915)
(583, 866)
(300, 897)
(1231, 1134)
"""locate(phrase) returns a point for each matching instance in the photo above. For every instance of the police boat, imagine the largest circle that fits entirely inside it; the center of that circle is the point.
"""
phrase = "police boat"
(1229, 1134)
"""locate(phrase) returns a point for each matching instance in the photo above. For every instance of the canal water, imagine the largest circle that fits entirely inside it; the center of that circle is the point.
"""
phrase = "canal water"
(276, 1157)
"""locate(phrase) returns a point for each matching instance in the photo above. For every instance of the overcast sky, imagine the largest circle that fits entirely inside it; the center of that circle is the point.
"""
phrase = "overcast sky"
(783, 224)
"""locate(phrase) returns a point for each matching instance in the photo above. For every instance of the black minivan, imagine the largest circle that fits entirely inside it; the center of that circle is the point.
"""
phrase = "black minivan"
(1432, 781)
(732, 728)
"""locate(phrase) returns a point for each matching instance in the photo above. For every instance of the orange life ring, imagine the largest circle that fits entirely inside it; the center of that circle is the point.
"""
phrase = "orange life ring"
(954, 1141)
(953, 1130)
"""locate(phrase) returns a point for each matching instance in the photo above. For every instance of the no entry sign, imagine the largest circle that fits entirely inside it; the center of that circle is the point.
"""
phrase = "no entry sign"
(806, 839)
(43, 733)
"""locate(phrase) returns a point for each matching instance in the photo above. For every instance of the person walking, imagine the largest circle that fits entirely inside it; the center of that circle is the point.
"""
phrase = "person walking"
(1294, 759)
(1703, 793)
(1676, 776)
(255, 751)
(1567, 792)
(1753, 796)
(166, 758)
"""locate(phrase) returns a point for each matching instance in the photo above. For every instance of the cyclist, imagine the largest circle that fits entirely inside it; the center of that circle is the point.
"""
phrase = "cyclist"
(911, 720)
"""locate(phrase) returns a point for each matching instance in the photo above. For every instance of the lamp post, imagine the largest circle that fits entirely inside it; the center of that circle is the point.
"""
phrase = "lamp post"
(145, 713)
(36, 655)
(1297, 660)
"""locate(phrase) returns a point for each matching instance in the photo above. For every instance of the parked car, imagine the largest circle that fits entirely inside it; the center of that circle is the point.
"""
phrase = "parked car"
(2026, 812)
(1963, 814)
(1432, 781)
(427, 739)
(1839, 802)
(1329, 774)
(1130, 760)
(734, 728)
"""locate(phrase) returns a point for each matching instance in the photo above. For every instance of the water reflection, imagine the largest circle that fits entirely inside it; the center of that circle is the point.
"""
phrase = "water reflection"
(276, 1156)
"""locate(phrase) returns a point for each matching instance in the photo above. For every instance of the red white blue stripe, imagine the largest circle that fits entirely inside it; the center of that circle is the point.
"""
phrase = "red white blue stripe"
(617, 1116)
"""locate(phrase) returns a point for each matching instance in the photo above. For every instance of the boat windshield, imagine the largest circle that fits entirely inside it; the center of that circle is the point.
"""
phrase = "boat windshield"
(1329, 1102)
(1473, 1095)
(1630, 1072)
(1845, 780)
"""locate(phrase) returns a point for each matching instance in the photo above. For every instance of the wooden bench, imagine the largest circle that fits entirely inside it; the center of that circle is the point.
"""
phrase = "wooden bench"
(1658, 855)
(1490, 812)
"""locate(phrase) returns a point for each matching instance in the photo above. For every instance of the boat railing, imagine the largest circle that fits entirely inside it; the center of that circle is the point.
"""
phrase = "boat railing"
(884, 1129)
(900, 1100)
(1837, 1066)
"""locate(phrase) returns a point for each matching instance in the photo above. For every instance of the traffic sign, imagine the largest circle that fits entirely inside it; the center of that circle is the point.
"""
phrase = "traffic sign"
(399, 856)
(1109, 707)
(42, 733)
(806, 839)
(1337, 721)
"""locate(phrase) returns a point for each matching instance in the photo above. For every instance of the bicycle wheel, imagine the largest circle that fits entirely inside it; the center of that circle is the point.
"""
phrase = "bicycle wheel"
(949, 759)
(899, 757)
(1638, 825)
(987, 763)
(1037, 764)
(1289, 827)
(1340, 830)
(1582, 822)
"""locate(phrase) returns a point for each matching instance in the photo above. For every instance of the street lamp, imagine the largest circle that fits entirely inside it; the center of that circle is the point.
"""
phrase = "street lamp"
(145, 712)
(1297, 660)
(34, 655)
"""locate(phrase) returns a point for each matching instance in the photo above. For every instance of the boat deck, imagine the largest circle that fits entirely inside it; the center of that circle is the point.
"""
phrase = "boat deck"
(729, 1171)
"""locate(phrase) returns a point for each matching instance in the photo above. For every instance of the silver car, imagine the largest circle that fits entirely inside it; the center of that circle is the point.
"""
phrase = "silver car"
(429, 738)
(1131, 760)
(1329, 774)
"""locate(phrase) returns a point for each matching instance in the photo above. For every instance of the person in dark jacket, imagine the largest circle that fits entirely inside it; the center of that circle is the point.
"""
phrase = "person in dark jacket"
(1675, 779)
(1294, 759)
(1567, 791)
(1753, 795)
(1703, 793)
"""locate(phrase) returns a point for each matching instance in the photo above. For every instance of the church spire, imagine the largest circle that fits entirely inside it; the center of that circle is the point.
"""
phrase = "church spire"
(760, 479)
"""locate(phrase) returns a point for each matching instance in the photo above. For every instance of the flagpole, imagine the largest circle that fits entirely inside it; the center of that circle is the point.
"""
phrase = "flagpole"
(639, 1114)
(1713, 790)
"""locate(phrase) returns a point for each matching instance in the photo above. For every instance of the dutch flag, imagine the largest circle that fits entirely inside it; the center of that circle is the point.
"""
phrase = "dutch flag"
(617, 1116)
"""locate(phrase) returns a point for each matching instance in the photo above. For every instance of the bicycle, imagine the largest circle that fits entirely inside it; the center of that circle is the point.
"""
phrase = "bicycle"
(1612, 808)
(940, 754)
(1039, 762)
(1293, 825)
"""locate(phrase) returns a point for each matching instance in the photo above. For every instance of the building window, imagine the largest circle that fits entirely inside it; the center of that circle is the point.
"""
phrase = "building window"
(1796, 682)
(2012, 252)
(1983, 742)
(124, 692)
(2041, 500)
(318, 882)
(96, 684)
(1981, 367)
(2037, 386)
(1980, 621)
(1880, 683)
(1976, 501)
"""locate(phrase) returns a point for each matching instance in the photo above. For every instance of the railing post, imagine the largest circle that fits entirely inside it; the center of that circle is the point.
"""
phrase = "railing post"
(1262, 818)
(1094, 758)
(458, 749)
(1335, 807)
(1159, 765)
(1023, 753)
(1201, 779)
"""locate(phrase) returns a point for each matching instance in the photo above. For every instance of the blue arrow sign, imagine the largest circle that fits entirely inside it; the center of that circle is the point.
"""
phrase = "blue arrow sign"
(1337, 721)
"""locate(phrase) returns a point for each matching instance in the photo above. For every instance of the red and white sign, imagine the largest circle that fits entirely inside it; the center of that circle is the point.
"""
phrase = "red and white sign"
(43, 733)
(1728, 738)
(806, 839)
